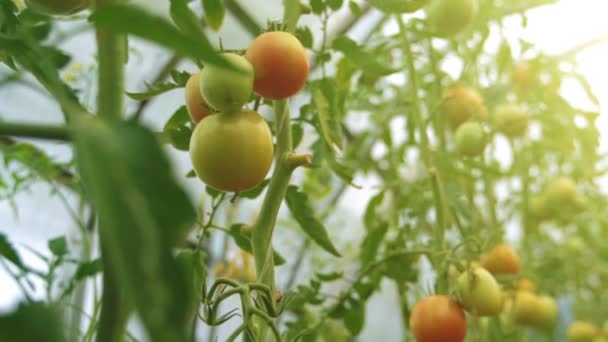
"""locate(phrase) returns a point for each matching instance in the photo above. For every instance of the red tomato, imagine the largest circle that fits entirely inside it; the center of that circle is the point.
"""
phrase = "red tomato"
(438, 318)
(280, 64)
(197, 107)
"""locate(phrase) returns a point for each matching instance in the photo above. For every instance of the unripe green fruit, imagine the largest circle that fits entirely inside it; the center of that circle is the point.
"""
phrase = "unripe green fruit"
(580, 331)
(561, 191)
(451, 16)
(538, 208)
(58, 7)
(224, 89)
(511, 120)
(479, 292)
(470, 139)
(398, 6)
(548, 311)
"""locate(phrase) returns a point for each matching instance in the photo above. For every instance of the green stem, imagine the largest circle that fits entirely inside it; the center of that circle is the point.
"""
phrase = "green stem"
(425, 148)
(35, 131)
(112, 52)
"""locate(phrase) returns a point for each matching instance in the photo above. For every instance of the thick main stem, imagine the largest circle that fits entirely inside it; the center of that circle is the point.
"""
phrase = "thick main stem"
(112, 52)
(261, 235)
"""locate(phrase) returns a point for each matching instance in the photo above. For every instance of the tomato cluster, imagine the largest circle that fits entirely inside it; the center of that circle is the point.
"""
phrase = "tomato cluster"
(478, 292)
(231, 147)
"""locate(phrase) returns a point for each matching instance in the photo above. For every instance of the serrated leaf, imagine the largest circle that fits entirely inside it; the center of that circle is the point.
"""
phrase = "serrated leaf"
(364, 60)
(327, 118)
(9, 252)
(132, 20)
(214, 13)
(302, 211)
(58, 246)
(245, 244)
(180, 77)
(138, 206)
(371, 243)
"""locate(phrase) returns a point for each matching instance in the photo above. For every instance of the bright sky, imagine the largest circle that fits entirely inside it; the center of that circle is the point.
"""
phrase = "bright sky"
(553, 29)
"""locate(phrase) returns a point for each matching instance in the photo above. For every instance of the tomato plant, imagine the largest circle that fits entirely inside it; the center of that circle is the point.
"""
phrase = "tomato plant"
(438, 318)
(280, 63)
(232, 152)
(311, 171)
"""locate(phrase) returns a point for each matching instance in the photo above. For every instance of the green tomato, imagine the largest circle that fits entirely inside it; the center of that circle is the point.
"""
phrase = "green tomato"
(525, 308)
(538, 208)
(224, 89)
(470, 139)
(479, 292)
(398, 6)
(580, 331)
(511, 120)
(451, 16)
(561, 191)
(548, 311)
(232, 152)
(58, 7)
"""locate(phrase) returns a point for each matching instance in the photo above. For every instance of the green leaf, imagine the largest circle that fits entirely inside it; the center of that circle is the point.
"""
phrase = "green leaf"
(179, 129)
(326, 277)
(297, 133)
(324, 102)
(305, 36)
(138, 206)
(152, 90)
(58, 246)
(193, 266)
(32, 322)
(9, 252)
(371, 243)
(214, 13)
(301, 209)
(88, 269)
(291, 13)
(370, 217)
(364, 60)
(354, 317)
(255, 192)
(317, 6)
(245, 244)
(132, 20)
(334, 4)
(185, 19)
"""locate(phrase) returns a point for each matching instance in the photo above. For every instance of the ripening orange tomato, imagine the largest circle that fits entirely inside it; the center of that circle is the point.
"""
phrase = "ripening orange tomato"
(280, 64)
(502, 259)
(196, 105)
(438, 318)
(462, 103)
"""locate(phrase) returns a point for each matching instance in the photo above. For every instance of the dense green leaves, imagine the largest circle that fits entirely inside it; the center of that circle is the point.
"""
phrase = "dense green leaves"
(32, 322)
(146, 208)
(364, 60)
(301, 209)
(132, 20)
